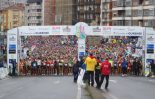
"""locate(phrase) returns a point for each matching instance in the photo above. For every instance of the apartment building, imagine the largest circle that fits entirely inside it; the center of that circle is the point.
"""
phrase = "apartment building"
(61, 12)
(129, 13)
(6, 3)
(106, 13)
(48, 12)
(87, 11)
(34, 13)
(12, 17)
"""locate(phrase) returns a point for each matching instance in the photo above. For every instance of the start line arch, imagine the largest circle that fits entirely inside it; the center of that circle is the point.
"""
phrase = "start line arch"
(81, 30)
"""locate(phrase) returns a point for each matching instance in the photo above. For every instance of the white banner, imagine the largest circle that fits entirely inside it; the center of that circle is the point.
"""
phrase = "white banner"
(88, 30)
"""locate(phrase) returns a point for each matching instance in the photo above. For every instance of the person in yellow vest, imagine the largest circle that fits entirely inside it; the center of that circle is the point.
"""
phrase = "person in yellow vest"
(90, 68)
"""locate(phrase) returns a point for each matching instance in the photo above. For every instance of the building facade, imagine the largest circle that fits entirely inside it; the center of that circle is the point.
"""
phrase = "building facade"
(129, 13)
(106, 13)
(48, 12)
(34, 13)
(87, 11)
(61, 12)
(12, 17)
(6, 3)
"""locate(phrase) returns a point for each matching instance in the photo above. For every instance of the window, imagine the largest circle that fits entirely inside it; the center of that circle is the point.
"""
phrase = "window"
(135, 23)
(151, 12)
(120, 3)
(38, 17)
(135, 2)
(135, 13)
(38, 10)
(128, 13)
(128, 3)
(146, 2)
(146, 12)
(140, 13)
(114, 4)
(128, 23)
(38, 3)
(152, 2)
(141, 2)
(149, 23)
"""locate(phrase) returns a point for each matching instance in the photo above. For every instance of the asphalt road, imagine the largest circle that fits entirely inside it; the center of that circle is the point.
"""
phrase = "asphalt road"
(130, 88)
(41, 88)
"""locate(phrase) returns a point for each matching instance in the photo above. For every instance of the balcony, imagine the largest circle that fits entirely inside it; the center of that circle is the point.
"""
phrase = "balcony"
(35, 14)
(34, 21)
(34, 7)
(118, 17)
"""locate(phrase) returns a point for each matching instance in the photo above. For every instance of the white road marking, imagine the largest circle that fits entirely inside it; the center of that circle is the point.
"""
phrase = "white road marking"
(114, 81)
(79, 92)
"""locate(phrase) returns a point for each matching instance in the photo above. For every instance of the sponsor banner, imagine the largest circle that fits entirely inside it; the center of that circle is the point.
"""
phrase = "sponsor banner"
(81, 30)
(12, 48)
(47, 30)
(107, 30)
(95, 30)
(119, 31)
(127, 31)
(68, 30)
(134, 31)
(56, 30)
(81, 47)
(149, 47)
(34, 30)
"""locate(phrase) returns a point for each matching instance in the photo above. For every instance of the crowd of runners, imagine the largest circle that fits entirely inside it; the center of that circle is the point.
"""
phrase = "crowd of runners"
(56, 55)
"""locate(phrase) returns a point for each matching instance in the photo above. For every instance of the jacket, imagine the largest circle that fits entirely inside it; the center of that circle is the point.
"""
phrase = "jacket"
(90, 63)
(105, 68)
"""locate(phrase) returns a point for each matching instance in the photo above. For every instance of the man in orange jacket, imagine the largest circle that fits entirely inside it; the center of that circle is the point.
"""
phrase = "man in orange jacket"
(105, 71)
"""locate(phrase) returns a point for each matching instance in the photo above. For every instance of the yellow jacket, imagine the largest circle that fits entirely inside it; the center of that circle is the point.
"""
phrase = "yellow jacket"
(90, 63)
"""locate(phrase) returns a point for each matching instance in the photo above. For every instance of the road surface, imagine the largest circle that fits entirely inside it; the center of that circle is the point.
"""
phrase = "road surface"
(45, 87)
(130, 88)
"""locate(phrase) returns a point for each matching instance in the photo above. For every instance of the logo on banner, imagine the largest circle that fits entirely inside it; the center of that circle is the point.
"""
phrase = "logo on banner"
(66, 29)
(150, 48)
(96, 29)
(12, 49)
(107, 30)
(135, 33)
(150, 39)
(80, 32)
(12, 38)
(81, 47)
(55, 29)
